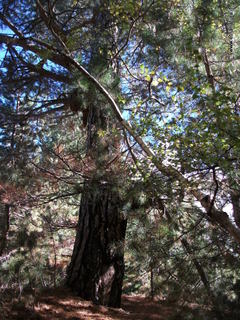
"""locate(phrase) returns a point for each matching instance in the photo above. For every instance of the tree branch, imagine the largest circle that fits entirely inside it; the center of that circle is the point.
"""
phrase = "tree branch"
(219, 217)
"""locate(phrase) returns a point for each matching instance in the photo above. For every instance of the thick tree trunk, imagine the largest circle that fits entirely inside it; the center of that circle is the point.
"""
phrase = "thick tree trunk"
(97, 266)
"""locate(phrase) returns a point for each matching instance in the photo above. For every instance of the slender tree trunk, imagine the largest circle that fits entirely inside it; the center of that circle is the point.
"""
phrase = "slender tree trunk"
(198, 267)
(152, 282)
(4, 226)
(235, 197)
(203, 277)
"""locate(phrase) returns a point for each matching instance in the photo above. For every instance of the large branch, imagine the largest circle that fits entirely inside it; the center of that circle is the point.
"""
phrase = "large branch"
(39, 70)
(43, 52)
(215, 215)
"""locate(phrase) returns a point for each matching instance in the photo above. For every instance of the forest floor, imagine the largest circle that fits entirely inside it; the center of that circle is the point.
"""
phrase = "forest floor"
(62, 304)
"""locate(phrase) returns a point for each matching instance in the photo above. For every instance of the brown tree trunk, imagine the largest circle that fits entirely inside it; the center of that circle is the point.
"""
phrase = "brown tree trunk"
(97, 266)
(152, 283)
(235, 197)
(4, 226)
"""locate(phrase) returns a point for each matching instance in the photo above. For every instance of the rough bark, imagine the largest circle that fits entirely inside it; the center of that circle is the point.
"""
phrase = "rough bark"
(97, 266)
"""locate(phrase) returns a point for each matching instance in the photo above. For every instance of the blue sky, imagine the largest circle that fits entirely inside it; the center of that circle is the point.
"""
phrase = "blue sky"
(3, 49)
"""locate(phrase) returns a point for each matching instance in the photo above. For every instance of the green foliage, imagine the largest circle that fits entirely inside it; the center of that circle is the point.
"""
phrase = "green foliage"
(173, 67)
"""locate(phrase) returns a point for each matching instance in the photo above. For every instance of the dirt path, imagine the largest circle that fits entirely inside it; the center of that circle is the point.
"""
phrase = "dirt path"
(62, 305)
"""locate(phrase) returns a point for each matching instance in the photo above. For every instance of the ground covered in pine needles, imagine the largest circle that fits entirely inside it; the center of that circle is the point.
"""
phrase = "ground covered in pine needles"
(61, 304)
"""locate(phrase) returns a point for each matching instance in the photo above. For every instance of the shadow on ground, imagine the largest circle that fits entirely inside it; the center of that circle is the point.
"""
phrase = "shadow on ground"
(61, 304)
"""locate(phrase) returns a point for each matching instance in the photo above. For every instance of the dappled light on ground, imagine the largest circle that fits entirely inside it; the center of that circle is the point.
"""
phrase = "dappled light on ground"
(62, 304)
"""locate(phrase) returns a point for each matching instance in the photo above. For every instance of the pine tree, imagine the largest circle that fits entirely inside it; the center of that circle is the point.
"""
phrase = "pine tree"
(49, 83)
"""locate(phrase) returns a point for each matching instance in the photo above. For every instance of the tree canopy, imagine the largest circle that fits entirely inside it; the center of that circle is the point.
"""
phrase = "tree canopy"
(139, 96)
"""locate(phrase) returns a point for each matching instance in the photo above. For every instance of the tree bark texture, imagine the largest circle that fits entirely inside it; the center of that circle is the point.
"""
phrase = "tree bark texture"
(97, 266)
